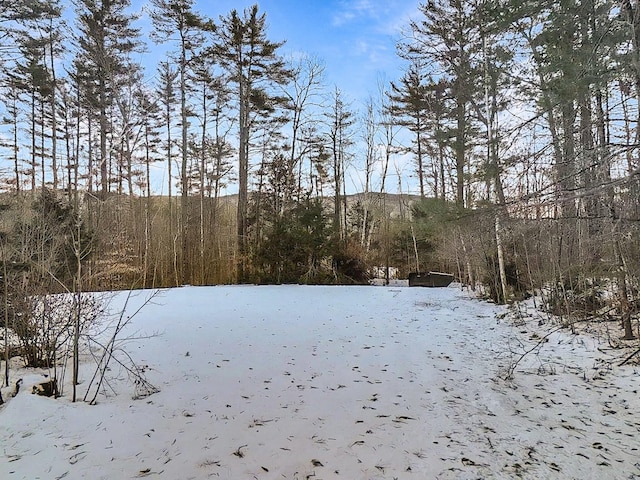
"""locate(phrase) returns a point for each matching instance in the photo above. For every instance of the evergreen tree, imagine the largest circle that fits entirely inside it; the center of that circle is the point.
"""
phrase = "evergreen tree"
(171, 17)
(294, 246)
(11, 97)
(167, 96)
(105, 37)
(34, 34)
(31, 76)
(254, 66)
(410, 108)
(447, 39)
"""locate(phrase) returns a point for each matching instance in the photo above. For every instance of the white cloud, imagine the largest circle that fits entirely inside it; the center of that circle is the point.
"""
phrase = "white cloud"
(351, 10)
(398, 15)
(376, 53)
(388, 18)
(342, 18)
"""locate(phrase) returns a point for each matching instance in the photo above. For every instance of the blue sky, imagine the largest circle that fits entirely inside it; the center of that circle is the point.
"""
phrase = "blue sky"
(354, 38)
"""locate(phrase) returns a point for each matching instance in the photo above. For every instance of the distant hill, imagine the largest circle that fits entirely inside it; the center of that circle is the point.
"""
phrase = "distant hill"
(394, 203)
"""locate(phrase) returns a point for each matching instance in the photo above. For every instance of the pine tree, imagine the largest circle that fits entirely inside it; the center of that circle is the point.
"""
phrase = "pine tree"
(410, 108)
(11, 98)
(447, 39)
(33, 79)
(241, 46)
(167, 97)
(171, 17)
(33, 32)
(105, 37)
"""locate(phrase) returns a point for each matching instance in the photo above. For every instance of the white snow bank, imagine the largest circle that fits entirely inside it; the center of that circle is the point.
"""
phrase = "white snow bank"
(295, 382)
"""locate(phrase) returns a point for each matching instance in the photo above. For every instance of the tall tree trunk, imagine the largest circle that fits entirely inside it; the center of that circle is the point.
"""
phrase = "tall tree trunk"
(243, 181)
(104, 166)
(202, 171)
(33, 144)
(501, 265)
(337, 181)
(420, 159)
(566, 168)
(77, 294)
(5, 282)
(15, 145)
(623, 292)
(147, 210)
(54, 119)
(172, 214)
(460, 151)
(185, 275)
(43, 155)
(129, 159)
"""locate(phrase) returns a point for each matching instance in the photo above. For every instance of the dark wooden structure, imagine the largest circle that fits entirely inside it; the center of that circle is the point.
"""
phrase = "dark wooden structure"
(430, 279)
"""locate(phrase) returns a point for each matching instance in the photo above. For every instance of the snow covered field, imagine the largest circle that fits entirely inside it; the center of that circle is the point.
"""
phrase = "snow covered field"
(295, 382)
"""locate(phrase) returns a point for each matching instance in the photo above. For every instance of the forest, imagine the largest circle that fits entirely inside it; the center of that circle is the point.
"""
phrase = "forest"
(521, 119)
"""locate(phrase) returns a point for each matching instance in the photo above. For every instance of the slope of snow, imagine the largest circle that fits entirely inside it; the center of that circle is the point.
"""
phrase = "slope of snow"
(296, 382)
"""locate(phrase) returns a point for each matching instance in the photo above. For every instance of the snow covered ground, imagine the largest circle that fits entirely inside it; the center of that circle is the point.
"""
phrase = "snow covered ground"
(296, 382)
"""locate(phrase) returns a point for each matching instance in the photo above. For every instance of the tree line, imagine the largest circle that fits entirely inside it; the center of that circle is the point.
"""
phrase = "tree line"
(521, 119)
